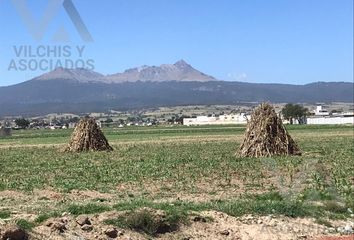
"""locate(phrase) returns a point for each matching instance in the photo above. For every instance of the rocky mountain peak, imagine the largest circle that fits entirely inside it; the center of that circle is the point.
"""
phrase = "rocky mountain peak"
(180, 71)
(182, 64)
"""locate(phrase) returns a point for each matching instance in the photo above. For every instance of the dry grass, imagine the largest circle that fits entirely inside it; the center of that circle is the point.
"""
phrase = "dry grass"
(88, 136)
(266, 136)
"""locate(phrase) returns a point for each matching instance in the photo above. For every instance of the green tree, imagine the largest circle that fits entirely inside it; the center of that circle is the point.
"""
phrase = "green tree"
(294, 111)
(22, 123)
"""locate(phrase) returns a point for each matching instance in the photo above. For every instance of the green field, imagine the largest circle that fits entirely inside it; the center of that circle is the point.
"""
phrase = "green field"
(195, 168)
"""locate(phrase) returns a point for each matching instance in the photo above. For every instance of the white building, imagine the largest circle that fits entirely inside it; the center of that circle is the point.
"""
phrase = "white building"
(320, 111)
(331, 120)
(322, 116)
(216, 120)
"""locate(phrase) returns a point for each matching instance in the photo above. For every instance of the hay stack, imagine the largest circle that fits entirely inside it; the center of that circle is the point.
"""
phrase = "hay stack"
(266, 136)
(88, 136)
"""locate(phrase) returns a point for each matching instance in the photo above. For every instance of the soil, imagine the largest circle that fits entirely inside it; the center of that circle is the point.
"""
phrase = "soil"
(207, 225)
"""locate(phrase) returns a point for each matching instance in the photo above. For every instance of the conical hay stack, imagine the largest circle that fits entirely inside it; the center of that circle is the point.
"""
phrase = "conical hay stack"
(88, 136)
(266, 135)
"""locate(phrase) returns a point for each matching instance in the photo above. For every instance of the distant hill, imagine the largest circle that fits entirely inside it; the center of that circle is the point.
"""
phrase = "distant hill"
(81, 91)
(180, 71)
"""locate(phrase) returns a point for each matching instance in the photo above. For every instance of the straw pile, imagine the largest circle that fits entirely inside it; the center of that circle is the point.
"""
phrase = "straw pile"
(266, 136)
(88, 136)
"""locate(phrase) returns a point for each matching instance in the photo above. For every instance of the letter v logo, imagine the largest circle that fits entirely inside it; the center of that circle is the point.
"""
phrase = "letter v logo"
(38, 28)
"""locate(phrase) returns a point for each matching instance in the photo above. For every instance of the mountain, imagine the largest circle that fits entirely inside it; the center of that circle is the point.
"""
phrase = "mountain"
(82, 91)
(180, 71)
(79, 75)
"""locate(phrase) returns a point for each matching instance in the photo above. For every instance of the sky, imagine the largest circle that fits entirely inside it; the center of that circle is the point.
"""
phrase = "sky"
(273, 41)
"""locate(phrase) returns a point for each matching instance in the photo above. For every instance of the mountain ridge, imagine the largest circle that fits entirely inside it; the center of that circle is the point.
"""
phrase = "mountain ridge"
(179, 71)
(83, 91)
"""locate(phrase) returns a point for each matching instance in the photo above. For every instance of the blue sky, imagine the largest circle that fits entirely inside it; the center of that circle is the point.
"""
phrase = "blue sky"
(282, 41)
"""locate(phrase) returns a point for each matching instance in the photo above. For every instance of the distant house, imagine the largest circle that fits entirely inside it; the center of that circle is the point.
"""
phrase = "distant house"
(216, 120)
(320, 111)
